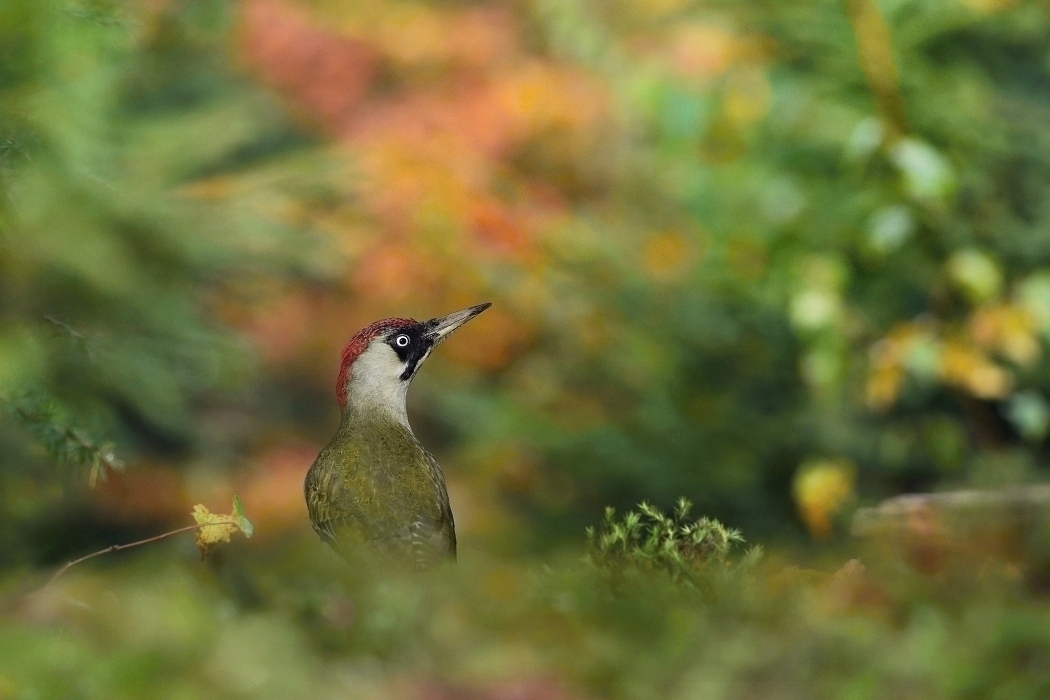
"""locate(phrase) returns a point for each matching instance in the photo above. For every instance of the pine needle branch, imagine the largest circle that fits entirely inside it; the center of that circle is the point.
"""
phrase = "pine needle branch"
(65, 444)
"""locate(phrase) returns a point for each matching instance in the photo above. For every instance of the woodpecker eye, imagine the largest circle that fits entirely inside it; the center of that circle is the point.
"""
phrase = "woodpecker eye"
(402, 341)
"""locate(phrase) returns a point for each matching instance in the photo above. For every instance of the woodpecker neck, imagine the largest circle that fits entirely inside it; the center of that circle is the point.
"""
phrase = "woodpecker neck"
(376, 399)
(374, 388)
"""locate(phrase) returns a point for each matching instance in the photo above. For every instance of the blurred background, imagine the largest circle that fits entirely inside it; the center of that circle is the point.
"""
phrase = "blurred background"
(785, 259)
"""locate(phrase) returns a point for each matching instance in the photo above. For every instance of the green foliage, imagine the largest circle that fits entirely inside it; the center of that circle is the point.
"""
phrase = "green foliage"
(110, 266)
(292, 620)
(841, 208)
(651, 540)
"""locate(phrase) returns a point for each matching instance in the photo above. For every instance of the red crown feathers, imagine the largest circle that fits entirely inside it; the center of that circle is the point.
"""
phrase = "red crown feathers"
(358, 344)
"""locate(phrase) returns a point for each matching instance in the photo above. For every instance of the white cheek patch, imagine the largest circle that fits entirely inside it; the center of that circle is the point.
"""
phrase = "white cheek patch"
(375, 381)
(378, 360)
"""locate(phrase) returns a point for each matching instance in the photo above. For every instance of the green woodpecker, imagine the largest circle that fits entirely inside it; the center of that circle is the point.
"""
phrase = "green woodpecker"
(374, 483)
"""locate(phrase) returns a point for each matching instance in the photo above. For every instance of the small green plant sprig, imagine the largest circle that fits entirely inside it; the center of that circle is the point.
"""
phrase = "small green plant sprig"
(648, 539)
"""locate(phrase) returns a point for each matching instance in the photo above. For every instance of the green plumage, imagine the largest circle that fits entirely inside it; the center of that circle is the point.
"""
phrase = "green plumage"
(374, 483)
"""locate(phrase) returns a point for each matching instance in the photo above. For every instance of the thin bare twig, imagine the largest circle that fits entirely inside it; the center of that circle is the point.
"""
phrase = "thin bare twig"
(119, 547)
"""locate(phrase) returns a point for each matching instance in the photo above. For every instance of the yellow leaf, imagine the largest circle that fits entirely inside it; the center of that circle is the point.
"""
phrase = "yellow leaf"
(668, 255)
(821, 488)
(218, 527)
(884, 385)
(888, 360)
(968, 367)
(1008, 329)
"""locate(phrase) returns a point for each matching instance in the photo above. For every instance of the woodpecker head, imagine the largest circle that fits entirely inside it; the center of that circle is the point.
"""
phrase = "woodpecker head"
(381, 359)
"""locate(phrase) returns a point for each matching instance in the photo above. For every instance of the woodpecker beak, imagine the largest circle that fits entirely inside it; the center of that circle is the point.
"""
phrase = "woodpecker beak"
(437, 329)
